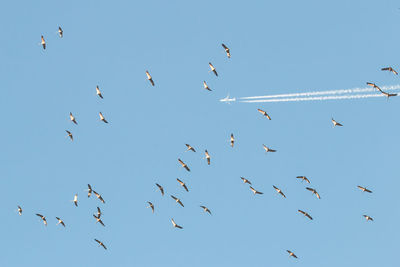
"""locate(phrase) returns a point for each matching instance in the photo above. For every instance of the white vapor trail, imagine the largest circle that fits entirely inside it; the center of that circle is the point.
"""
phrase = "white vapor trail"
(316, 98)
(331, 92)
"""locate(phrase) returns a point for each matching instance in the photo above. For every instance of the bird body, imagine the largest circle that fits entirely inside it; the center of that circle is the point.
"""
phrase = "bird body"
(291, 254)
(19, 210)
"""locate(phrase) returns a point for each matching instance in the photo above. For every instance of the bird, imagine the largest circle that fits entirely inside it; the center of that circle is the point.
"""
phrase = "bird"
(177, 200)
(102, 118)
(364, 189)
(390, 69)
(161, 189)
(175, 225)
(89, 193)
(182, 184)
(232, 140)
(373, 85)
(98, 219)
(19, 210)
(184, 165)
(212, 68)
(189, 147)
(255, 191)
(43, 42)
(206, 86)
(100, 243)
(264, 113)
(60, 32)
(335, 123)
(208, 157)
(76, 200)
(245, 180)
(150, 206)
(314, 192)
(279, 191)
(368, 218)
(149, 78)
(72, 118)
(228, 54)
(60, 221)
(206, 209)
(99, 213)
(43, 218)
(291, 254)
(69, 134)
(303, 178)
(305, 214)
(99, 196)
(267, 149)
(98, 92)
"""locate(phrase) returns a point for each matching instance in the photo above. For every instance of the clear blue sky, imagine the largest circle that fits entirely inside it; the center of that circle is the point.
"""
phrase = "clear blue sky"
(276, 47)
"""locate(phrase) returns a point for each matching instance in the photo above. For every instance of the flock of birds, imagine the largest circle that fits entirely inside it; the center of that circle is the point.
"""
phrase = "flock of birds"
(98, 216)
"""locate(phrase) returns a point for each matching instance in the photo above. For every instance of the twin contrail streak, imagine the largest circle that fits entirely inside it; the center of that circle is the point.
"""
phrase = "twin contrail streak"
(316, 93)
(315, 98)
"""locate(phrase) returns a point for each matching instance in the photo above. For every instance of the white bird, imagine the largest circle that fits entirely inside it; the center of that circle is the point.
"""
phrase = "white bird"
(98, 92)
(76, 200)
(212, 68)
(206, 86)
(102, 118)
(175, 225)
(149, 78)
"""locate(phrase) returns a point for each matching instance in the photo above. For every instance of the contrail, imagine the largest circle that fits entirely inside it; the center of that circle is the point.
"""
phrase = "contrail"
(331, 92)
(317, 98)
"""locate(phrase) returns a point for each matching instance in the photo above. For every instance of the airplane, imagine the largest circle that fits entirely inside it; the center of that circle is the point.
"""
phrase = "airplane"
(227, 99)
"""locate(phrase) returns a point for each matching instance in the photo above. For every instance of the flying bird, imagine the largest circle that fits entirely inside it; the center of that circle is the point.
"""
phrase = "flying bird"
(245, 180)
(99, 196)
(60, 32)
(291, 254)
(102, 118)
(177, 200)
(264, 113)
(98, 92)
(206, 86)
(89, 193)
(60, 221)
(69, 134)
(99, 213)
(368, 218)
(206, 209)
(232, 140)
(335, 123)
(184, 165)
(72, 118)
(314, 192)
(374, 86)
(98, 220)
(76, 200)
(279, 191)
(267, 149)
(149, 78)
(182, 184)
(189, 147)
(175, 225)
(161, 189)
(228, 54)
(100, 243)
(364, 189)
(208, 157)
(303, 178)
(390, 69)
(43, 42)
(255, 191)
(150, 206)
(305, 214)
(19, 210)
(43, 218)
(212, 68)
